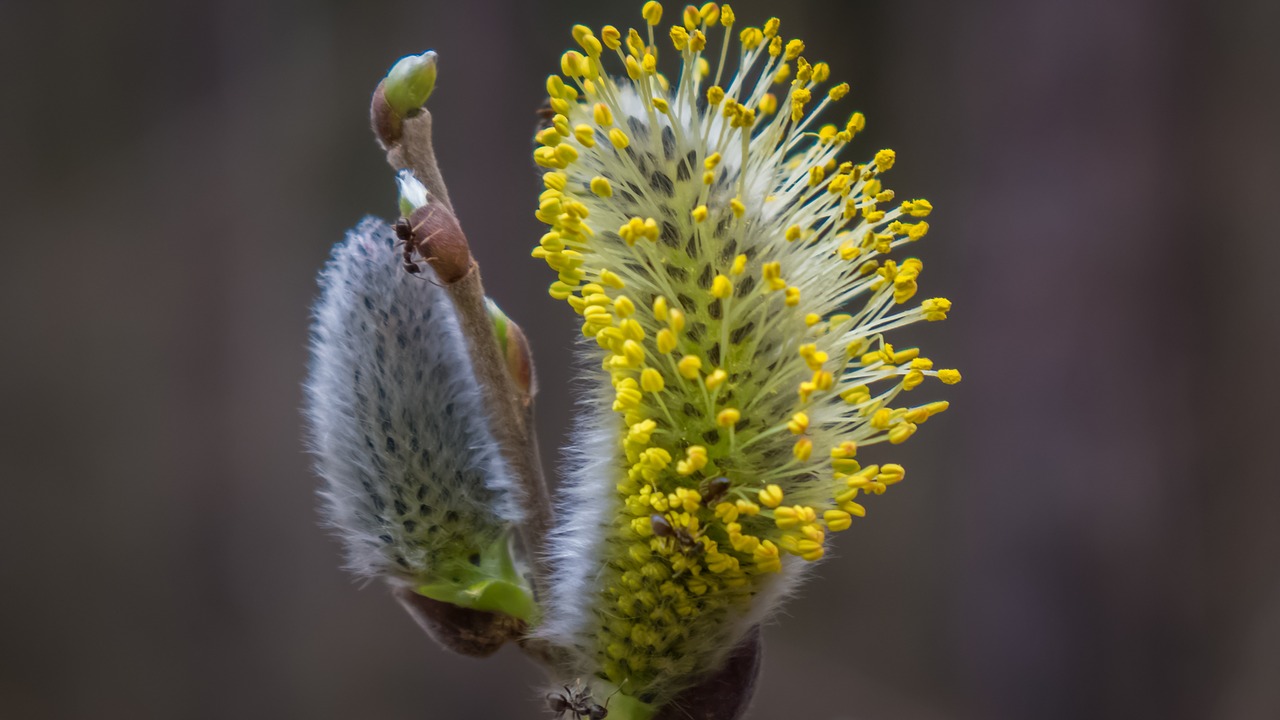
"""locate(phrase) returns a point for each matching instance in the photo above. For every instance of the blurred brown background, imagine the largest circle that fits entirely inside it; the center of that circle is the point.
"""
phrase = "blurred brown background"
(1091, 532)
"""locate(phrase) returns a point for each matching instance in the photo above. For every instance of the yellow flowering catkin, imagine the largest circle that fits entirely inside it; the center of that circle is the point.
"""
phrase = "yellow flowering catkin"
(737, 281)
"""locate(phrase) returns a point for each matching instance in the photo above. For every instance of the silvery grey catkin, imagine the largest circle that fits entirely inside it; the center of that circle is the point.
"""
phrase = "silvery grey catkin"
(413, 479)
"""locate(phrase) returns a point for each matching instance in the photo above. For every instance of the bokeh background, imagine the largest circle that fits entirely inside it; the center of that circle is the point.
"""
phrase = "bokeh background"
(1091, 532)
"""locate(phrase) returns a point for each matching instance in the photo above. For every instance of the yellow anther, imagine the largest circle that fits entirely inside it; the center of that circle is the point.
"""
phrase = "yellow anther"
(573, 64)
(660, 104)
(857, 122)
(823, 380)
(775, 47)
(691, 17)
(640, 432)
(804, 71)
(651, 381)
(750, 38)
(900, 432)
(782, 73)
(917, 231)
(936, 309)
(603, 116)
(610, 278)
(949, 377)
(739, 265)
(812, 319)
(555, 181)
(666, 341)
(585, 135)
(710, 12)
(676, 320)
(837, 520)
(849, 251)
(794, 48)
(700, 213)
(697, 41)
(721, 287)
(715, 94)
(798, 424)
(793, 233)
(856, 395)
(716, 378)
(555, 86)
(839, 91)
(853, 508)
(891, 473)
(885, 159)
(632, 353)
(771, 272)
(917, 208)
(728, 417)
(619, 138)
(793, 296)
(628, 395)
(601, 187)
(881, 418)
(679, 37)
(660, 309)
(652, 12)
(611, 37)
(769, 104)
(635, 45)
(695, 460)
(912, 380)
(802, 449)
(633, 68)
(726, 15)
(623, 306)
(566, 153)
(816, 175)
(689, 366)
(549, 137)
(649, 63)
(788, 518)
(771, 27)
(771, 496)
(737, 207)
(708, 177)
(799, 98)
(546, 157)
(821, 72)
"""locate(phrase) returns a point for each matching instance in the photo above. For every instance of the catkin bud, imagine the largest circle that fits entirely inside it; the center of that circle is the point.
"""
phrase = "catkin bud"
(414, 483)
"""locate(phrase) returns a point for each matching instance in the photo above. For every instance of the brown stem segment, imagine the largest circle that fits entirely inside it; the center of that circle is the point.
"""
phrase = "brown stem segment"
(511, 411)
(407, 140)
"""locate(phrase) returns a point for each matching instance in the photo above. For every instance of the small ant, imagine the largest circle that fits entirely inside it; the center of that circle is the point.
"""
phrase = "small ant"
(578, 702)
(687, 541)
(714, 489)
(405, 232)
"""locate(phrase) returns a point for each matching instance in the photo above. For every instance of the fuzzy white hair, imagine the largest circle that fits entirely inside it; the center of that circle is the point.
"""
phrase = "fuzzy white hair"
(401, 439)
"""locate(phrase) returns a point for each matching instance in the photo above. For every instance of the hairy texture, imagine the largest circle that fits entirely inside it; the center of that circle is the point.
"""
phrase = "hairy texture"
(412, 475)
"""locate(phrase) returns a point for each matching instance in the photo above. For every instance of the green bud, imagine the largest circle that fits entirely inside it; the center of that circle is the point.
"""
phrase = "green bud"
(410, 82)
